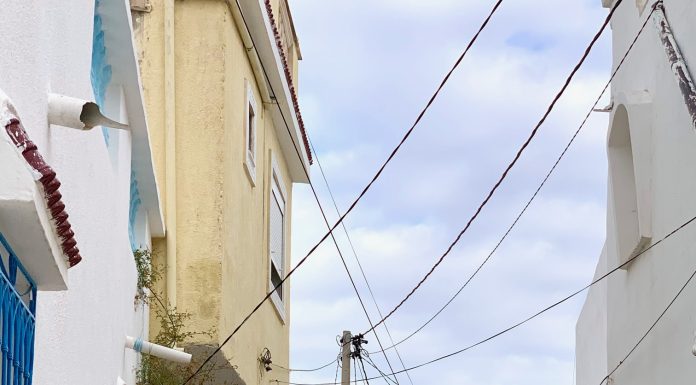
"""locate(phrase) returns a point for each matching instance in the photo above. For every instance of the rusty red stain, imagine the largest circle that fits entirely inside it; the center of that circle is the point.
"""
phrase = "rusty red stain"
(50, 185)
(676, 60)
(288, 78)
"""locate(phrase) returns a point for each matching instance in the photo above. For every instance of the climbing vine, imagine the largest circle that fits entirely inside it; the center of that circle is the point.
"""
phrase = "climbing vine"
(173, 331)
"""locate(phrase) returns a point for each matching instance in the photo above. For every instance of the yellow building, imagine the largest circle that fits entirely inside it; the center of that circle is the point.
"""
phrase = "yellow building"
(228, 143)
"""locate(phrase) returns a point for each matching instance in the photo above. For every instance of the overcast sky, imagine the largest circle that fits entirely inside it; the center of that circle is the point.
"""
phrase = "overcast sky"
(369, 67)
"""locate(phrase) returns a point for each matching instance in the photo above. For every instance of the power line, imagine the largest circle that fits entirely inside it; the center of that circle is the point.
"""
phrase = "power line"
(338, 365)
(362, 365)
(355, 255)
(305, 370)
(510, 165)
(364, 191)
(371, 363)
(633, 349)
(544, 310)
(536, 192)
(362, 354)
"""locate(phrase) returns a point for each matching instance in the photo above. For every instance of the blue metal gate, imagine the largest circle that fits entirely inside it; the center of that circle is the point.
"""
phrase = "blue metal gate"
(17, 311)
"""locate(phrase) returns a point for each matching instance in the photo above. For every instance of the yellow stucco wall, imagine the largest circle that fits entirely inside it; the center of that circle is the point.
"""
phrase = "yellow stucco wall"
(222, 218)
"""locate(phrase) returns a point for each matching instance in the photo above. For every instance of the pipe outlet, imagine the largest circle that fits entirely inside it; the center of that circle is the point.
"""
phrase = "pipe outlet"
(76, 113)
(160, 351)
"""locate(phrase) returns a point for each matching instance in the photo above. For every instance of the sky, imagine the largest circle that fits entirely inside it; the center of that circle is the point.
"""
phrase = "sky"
(368, 69)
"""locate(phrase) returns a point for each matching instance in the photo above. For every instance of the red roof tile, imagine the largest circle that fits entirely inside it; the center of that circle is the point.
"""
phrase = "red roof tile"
(50, 186)
(288, 78)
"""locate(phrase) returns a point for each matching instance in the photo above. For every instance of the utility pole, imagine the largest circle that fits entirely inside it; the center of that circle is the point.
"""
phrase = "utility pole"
(345, 357)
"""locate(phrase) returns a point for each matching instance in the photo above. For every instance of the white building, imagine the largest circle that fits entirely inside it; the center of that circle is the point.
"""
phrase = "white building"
(83, 313)
(651, 145)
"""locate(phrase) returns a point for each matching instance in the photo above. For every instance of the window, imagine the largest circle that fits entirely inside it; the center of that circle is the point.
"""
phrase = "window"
(276, 238)
(250, 113)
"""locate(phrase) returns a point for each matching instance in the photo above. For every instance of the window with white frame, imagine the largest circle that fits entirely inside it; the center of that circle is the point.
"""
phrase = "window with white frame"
(250, 113)
(276, 237)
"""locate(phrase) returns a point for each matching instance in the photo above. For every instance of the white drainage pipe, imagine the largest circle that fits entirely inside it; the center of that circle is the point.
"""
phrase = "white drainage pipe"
(76, 113)
(160, 351)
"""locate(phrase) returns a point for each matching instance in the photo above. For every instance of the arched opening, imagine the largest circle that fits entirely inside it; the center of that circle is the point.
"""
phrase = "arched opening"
(622, 183)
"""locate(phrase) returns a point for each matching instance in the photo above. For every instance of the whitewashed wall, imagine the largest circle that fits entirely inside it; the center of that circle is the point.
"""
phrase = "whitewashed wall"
(617, 314)
(46, 46)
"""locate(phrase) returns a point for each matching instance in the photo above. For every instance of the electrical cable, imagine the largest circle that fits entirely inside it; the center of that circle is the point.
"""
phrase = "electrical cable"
(355, 255)
(338, 365)
(371, 363)
(511, 164)
(633, 349)
(305, 370)
(362, 365)
(536, 192)
(363, 354)
(544, 310)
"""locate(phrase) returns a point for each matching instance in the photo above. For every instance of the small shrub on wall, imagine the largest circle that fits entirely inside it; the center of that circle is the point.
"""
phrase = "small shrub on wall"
(173, 332)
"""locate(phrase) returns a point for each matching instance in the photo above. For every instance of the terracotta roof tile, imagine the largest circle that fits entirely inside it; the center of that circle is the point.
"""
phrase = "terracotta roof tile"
(288, 78)
(50, 184)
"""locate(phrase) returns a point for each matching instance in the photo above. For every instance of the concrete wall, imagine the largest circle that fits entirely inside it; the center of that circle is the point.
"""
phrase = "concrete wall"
(664, 144)
(222, 217)
(46, 46)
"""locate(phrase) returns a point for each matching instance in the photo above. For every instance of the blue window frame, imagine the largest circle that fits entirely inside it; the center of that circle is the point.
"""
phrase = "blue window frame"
(17, 316)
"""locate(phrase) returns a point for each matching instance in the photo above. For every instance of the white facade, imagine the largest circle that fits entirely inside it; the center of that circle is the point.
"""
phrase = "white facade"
(46, 47)
(651, 145)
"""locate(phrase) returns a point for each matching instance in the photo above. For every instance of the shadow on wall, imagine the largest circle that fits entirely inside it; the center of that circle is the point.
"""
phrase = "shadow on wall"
(219, 371)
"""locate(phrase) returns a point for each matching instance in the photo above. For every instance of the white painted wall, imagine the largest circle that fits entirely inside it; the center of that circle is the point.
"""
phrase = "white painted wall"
(45, 46)
(619, 312)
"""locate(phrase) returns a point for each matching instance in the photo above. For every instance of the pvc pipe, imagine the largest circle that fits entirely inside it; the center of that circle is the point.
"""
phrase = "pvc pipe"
(76, 113)
(120, 381)
(160, 351)
(693, 348)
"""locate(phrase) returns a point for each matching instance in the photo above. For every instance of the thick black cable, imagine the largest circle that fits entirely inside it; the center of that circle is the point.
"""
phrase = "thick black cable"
(511, 164)
(355, 255)
(371, 363)
(362, 365)
(364, 191)
(536, 192)
(633, 349)
(544, 310)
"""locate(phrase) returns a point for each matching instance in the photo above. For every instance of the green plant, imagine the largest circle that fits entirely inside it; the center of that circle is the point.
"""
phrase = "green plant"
(172, 332)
